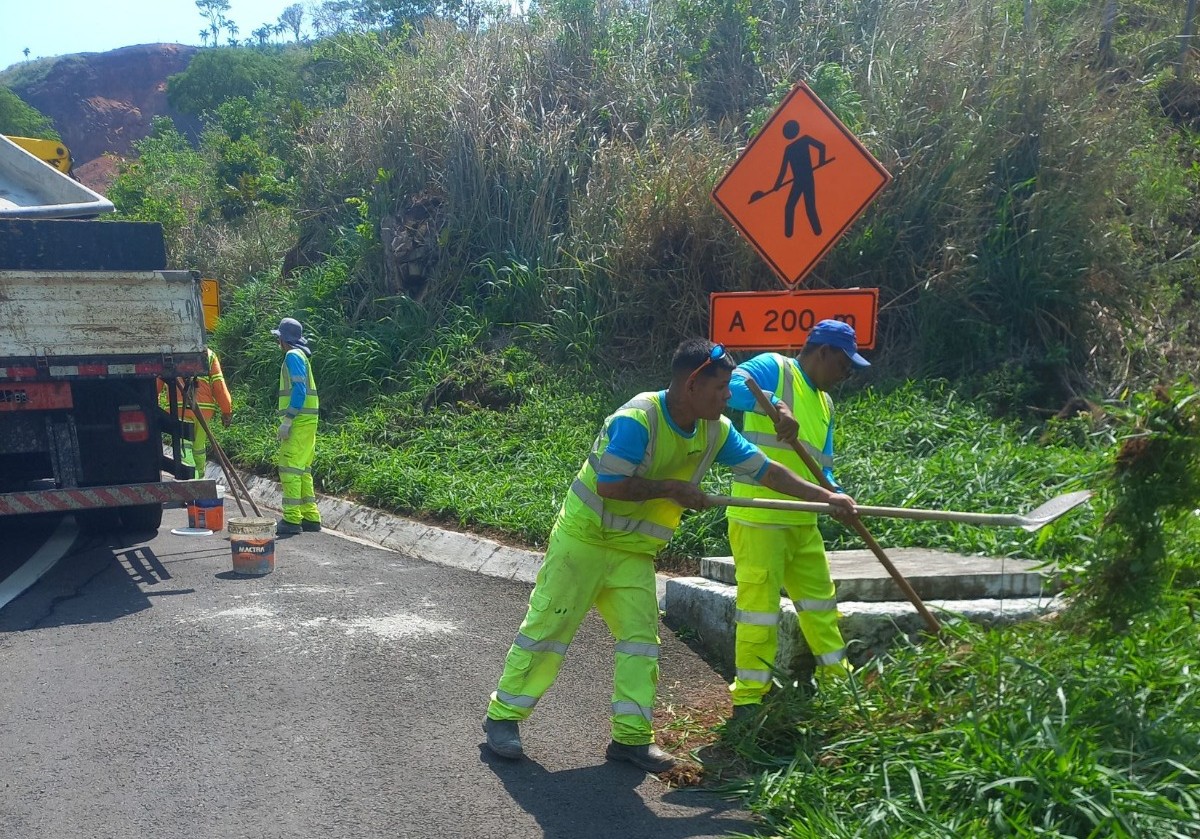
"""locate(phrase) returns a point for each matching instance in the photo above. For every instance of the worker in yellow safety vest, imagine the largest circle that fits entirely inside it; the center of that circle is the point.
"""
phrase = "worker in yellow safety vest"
(782, 549)
(625, 503)
(299, 407)
(212, 396)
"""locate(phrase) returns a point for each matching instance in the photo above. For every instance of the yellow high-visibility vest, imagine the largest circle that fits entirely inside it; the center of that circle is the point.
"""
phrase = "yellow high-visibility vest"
(312, 403)
(813, 410)
(641, 526)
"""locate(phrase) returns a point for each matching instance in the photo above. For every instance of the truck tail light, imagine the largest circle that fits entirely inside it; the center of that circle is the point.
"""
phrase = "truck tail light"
(134, 427)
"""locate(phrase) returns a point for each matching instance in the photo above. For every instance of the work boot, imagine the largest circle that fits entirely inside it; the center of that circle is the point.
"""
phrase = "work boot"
(648, 757)
(287, 528)
(503, 737)
(310, 526)
(745, 713)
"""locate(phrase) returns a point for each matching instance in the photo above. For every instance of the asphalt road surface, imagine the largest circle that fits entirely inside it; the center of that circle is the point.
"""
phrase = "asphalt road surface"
(148, 691)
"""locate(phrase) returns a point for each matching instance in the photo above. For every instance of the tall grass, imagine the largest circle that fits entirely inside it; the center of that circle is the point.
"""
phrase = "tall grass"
(1040, 202)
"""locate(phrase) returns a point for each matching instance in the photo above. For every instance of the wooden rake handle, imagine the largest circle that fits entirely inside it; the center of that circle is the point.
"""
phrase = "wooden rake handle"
(859, 528)
(236, 485)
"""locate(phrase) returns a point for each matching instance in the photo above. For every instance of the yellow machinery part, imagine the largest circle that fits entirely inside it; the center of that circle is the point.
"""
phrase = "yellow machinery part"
(51, 151)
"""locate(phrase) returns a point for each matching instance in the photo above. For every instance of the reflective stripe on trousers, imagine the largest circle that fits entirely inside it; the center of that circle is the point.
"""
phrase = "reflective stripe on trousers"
(574, 576)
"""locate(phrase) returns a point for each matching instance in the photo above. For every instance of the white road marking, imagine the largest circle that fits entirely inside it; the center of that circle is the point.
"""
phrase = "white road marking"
(54, 549)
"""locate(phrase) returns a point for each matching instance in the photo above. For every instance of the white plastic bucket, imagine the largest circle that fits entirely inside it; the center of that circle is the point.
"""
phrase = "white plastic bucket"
(252, 543)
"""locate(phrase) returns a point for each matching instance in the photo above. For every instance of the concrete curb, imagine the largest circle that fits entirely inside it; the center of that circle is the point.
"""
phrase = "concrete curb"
(423, 541)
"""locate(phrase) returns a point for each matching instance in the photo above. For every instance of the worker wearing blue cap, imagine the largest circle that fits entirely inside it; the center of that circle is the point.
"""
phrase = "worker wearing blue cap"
(299, 407)
(782, 549)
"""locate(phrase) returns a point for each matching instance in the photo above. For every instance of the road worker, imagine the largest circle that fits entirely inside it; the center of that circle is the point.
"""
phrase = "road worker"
(298, 410)
(782, 549)
(625, 503)
(212, 395)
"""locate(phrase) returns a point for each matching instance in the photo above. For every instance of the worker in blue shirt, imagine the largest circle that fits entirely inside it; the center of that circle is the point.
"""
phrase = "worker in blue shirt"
(782, 549)
(299, 406)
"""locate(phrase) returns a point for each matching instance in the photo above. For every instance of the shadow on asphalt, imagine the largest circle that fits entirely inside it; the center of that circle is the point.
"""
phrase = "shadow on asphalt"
(600, 802)
(100, 579)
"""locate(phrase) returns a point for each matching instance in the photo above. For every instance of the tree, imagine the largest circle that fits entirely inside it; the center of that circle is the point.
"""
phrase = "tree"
(293, 18)
(1106, 32)
(21, 120)
(1185, 46)
(214, 12)
(214, 76)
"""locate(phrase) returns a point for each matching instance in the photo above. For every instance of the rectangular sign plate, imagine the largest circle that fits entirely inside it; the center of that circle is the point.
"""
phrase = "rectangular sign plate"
(781, 320)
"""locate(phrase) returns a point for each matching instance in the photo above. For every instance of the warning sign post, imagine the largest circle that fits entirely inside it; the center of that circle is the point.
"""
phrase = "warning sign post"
(800, 183)
(781, 320)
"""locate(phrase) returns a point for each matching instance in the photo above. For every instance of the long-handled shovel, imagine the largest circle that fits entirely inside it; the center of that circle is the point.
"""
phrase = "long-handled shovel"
(759, 194)
(856, 522)
(1033, 520)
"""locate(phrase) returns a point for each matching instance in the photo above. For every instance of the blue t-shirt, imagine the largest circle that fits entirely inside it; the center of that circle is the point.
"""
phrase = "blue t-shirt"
(764, 369)
(298, 374)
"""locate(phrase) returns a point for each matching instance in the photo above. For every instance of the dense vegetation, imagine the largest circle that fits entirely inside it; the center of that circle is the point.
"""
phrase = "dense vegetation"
(20, 120)
(497, 228)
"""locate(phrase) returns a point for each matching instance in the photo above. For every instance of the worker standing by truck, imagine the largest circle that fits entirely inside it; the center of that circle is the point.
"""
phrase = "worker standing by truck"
(212, 396)
(299, 407)
(774, 549)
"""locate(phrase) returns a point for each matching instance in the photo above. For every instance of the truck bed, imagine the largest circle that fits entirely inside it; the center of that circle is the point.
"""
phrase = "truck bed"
(72, 324)
(30, 188)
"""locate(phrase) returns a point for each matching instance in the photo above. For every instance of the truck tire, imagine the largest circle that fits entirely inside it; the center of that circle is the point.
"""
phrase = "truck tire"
(145, 518)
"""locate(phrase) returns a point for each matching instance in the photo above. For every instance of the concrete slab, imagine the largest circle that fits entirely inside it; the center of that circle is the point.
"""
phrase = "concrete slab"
(704, 608)
(933, 574)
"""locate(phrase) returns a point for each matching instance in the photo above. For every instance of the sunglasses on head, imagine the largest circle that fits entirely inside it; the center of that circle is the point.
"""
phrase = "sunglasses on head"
(715, 354)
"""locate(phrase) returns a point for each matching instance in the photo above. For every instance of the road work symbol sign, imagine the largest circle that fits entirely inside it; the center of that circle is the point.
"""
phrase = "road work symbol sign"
(781, 320)
(800, 183)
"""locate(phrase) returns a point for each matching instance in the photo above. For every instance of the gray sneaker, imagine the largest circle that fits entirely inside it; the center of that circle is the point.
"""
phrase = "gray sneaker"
(648, 757)
(503, 737)
(286, 528)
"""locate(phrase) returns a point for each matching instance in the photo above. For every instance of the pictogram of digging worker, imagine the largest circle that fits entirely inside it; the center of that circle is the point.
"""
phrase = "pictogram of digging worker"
(797, 160)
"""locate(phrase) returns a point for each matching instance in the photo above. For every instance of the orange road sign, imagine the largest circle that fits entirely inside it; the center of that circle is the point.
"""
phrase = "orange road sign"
(781, 320)
(800, 183)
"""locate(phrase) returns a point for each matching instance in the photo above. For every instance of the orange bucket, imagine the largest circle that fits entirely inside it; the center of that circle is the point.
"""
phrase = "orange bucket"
(207, 513)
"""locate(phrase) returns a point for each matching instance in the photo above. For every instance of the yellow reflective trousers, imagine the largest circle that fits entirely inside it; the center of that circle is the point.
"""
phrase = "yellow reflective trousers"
(574, 576)
(768, 559)
(295, 461)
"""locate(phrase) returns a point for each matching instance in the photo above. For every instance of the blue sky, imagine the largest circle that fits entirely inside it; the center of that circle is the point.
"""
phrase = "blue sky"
(61, 27)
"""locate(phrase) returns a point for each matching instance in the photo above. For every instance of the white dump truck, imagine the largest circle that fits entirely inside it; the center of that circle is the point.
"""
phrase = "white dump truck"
(90, 321)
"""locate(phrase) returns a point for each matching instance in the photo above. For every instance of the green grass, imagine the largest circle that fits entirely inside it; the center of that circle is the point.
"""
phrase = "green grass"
(505, 471)
(1036, 730)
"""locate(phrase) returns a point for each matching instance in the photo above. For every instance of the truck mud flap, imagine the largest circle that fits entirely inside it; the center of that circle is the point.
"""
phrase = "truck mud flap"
(91, 498)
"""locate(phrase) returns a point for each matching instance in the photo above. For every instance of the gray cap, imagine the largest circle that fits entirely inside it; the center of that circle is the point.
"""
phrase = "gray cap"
(290, 332)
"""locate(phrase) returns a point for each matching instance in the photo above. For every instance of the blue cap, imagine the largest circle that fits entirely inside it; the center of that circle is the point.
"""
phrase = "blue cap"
(835, 333)
(290, 332)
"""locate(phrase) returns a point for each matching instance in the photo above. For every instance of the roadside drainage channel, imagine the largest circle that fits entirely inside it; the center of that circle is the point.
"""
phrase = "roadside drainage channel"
(412, 538)
(874, 613)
